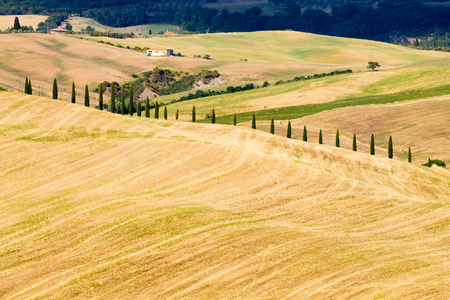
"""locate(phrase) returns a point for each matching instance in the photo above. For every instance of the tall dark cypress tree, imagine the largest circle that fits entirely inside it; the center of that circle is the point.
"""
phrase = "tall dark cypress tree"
(25, 88)
(289, 130)
(147, 108)
(213, 116)
(139, 109)
(272, 127)
(100, 97)
(234, 120)
(390, 148)
(338, 142)
(305, 134)
(429, 162)
(193, 113)
(165, 112)
(122, 104)
(73, 97)
(16, 24)
(354, 142)
(177, 113)
(86, 96)
(156, 110)
(131, 106)
(254, 121)
(113, 99)
(30, 87)
(409, 155)
(372, 145)
(55, 89)
(320, 137)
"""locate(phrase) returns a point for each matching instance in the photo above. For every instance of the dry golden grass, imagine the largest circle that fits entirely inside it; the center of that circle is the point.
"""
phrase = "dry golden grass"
(24, 20)
(100, 205)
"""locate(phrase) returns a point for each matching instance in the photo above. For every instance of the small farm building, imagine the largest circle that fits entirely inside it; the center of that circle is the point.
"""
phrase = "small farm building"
(58, 31)
(159, 52)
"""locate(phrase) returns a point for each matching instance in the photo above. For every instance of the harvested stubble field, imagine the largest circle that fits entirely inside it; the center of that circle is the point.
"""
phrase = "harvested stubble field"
(100, 205)
(24, 20)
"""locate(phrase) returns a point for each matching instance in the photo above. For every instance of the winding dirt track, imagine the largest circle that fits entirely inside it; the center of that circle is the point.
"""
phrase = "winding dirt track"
(100, 205)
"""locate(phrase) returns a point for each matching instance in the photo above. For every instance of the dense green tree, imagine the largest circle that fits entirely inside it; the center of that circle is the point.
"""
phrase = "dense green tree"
(320, 137)
(113, 99)
(131, 106)
(338, 142)
(55, 89)
(372, 65)
(73, 98)
(165, 112)
(289, 130)
(156, 110)
(234, 120)
(305, 134)
(272, 127)
(213, 116)
(409, 155)
(177, 113)
(30, 87)
(254, 121)
(147, 108)
(193, 113)
(25, 88)
(372, 145)
(354, 142)
(100, 97)
(86, 96)
(16, 24)
(122, 104)
(139, 109)
(390, 148)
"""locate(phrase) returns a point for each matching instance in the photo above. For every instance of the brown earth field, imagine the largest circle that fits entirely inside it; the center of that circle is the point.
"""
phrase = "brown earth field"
(97, 205)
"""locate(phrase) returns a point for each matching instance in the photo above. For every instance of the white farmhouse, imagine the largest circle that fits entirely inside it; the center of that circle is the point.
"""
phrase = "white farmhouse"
(159, 52)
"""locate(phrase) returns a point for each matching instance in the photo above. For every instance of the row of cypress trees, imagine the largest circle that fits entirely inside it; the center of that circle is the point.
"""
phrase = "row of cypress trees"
(29, 90)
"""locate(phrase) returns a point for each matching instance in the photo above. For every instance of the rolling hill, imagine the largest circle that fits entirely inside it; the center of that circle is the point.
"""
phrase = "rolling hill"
(100, 205)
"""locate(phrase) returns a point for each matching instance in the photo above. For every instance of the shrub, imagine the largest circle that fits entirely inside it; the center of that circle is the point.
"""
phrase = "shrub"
(436, 162)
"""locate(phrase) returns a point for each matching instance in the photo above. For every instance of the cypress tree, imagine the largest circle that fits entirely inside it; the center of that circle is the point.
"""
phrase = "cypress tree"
(409, 155)
(234, 120)
(320, 137)
(55, 89)
(139, 109)
(372, 145)
(177, 113)
(131, 106)
(429, 162)
(100, 97)
(193, 113)
(272, 127)
(30, 87)
(354, 142)
(25, 88)
(113, 100)
(16, 24)
(73, 97)
(122, 104)
(165, 112)
(86, 96)
(213, 116)
(147, 108)
(305, 134)
(338, 143)
(390, 148)
(156, 110)
(289, 130)
(254, 121)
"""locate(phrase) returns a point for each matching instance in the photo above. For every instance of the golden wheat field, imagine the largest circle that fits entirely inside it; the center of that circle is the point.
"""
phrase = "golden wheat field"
(24, 20)
(97, 205)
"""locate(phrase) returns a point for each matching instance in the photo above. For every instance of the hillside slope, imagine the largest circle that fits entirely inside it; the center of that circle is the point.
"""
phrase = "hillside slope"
(100, 205)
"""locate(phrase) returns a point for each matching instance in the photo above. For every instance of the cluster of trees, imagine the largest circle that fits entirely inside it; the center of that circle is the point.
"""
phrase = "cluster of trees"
(309, 77)
(384, 20)
(435, 42)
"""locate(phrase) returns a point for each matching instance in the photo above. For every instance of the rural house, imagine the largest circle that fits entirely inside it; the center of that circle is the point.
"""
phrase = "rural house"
(159, 52)
(58, 31)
